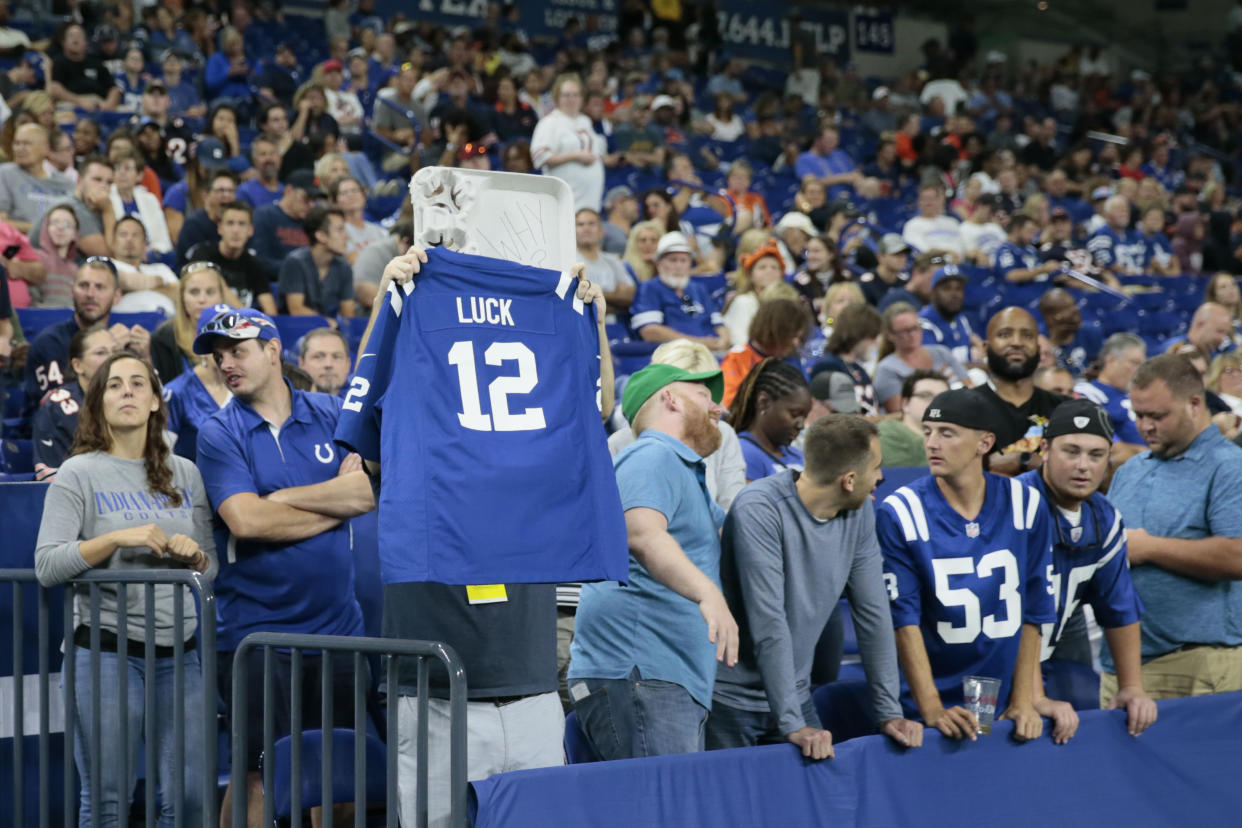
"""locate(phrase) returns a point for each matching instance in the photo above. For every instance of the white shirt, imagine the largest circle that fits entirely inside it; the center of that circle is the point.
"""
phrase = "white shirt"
(981, 237)
(146, 301)
(557, 134)
(947, 90)
(939, 233)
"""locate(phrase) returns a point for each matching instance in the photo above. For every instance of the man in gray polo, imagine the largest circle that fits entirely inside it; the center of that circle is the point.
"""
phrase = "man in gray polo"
(792, 545)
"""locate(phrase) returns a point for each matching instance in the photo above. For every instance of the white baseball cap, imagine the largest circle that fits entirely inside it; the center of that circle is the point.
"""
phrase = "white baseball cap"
(674, 242)
(797, 221)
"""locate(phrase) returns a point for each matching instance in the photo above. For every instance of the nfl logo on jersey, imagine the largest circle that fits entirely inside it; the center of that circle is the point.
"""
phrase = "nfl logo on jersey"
(1076, 534)
(972, 530)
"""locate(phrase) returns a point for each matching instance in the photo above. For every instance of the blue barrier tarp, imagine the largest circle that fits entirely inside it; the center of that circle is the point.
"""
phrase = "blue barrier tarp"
(1183, 771)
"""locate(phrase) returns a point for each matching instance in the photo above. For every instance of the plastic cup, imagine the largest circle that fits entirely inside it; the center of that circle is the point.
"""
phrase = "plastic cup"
(980, 693)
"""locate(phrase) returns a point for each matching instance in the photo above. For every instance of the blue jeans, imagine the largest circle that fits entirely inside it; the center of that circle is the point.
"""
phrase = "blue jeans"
(634, 717)
(111, 722)
(732, 727)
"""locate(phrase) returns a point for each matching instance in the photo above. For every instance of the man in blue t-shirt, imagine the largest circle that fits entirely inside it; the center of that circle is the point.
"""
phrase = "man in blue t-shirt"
(1119, 357)
(643, 659)
(672, 305)
(828, 163)
(1089, 563)
(266, 188)
(942, 319)
(282, 493)
(965, 560)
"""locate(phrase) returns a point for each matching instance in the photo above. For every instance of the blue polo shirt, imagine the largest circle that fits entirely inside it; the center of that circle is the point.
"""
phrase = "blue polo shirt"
(953, 334)
(645, 624)
(302, 587)
(1207, 480)
(692, 313)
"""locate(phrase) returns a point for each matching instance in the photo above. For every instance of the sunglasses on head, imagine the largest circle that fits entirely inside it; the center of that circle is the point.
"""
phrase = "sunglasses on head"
(235, 326)
(102, 260)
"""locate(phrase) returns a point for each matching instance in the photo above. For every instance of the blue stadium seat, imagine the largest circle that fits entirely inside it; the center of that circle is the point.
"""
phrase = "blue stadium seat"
(293, 328)
(17, 456)
(1124, 319)
(629, 357)
(1155, 300)
(353, 327)
(617, 332)
(150, 321)
(34, 320)
(342, 770)
(14, 405)
(577, 748)
(1162, 323)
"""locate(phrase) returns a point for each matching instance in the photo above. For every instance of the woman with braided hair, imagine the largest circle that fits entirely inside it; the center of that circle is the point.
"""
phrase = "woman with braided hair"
(768, 412)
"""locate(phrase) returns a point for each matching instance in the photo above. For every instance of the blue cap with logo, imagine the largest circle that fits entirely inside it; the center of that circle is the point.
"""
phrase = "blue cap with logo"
(949, 271)
(232, 323)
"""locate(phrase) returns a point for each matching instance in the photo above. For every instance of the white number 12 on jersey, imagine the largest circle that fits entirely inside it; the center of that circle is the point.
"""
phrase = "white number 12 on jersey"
(501, 418)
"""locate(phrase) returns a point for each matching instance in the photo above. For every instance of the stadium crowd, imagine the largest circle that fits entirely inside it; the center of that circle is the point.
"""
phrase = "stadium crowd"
(1020, 277)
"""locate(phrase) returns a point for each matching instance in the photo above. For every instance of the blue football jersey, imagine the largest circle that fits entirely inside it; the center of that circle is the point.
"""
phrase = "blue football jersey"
(479, 394)
(1010, 256)
(1117, 403)
(969, 585)
(189, 405)
(953, 334)
(1089, 564)
(1124, 251)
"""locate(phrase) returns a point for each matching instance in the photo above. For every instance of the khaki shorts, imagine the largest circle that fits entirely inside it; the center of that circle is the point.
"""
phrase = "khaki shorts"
(1192, 671)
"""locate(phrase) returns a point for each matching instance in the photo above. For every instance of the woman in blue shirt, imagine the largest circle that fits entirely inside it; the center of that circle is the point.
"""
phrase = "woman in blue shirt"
(768, 413)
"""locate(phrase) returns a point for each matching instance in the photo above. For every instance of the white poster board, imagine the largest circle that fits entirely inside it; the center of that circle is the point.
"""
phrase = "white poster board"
(528, 219)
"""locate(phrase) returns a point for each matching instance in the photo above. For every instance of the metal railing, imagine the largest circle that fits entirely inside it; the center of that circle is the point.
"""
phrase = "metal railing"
(326, 646)
(147, 580)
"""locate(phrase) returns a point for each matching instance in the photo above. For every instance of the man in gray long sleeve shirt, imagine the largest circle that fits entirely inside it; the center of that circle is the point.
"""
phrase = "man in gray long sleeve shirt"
(792, 545)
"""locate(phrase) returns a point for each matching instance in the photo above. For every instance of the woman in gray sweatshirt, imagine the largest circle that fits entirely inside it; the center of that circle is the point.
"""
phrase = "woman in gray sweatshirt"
(123, 501)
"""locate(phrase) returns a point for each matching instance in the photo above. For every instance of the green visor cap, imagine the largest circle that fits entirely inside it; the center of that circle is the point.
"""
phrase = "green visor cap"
(651, 379)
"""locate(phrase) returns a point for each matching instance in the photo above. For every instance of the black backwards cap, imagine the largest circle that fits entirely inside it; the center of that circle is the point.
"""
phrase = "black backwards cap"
(962, 407)
(1079, 417)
